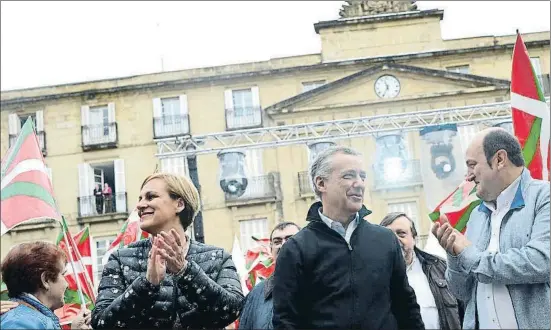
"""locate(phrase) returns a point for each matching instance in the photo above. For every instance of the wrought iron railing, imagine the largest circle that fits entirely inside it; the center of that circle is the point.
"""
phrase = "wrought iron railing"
(411, 176)
(304, 184)
(41, 135)
(248, 117)
(258, 187)
(90, 206)
(102, 134)
(168, 126)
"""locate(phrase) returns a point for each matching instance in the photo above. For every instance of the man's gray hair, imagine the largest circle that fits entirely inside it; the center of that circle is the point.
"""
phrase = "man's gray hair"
(321, 165)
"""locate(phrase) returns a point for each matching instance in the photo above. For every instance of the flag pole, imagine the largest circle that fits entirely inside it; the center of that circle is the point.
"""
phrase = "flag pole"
(86, 275)
(72, 262)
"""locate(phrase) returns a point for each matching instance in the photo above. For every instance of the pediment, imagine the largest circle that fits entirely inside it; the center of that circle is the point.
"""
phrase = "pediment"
(359, 88)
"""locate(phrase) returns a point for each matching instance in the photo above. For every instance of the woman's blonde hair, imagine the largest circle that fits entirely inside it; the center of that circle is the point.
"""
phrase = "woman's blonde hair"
(180, 186)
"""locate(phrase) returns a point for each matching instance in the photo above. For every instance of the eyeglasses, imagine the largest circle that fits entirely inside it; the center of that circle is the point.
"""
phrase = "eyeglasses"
(277, 241)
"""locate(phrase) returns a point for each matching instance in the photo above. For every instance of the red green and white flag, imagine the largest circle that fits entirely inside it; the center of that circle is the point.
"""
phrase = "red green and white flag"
(130, 233)
(82, 258)
(26, 191)
(458, 205)
(531, 126)
(81, 248)
(259, 262)
(530, 113)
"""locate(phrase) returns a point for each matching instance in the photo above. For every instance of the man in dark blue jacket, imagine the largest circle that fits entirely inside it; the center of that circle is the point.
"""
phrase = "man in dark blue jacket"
(341, 272)
(258, 308)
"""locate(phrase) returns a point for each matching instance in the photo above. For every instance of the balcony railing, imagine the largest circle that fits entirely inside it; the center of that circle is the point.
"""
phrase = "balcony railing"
(258, 187)
(304, 186)
(544, 79)
(41, 135)
(99, 136)
(410, 177)
(238, 118)
(168, 126)
(87, 206)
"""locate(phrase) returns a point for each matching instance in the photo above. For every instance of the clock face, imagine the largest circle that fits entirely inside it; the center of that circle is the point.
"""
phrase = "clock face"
(387, 87)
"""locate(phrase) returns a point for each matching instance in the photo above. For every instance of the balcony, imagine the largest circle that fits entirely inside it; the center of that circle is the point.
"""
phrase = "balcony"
(33, 225)
(304, 186)
(260, 189)
(409, 178)
(102, 136)
(108, 210)
(545, 82)
(170, 126)
(241, 118)
(41, 135)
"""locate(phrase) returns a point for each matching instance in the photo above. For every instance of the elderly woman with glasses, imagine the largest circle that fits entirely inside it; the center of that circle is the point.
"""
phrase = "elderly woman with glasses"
(168, 281)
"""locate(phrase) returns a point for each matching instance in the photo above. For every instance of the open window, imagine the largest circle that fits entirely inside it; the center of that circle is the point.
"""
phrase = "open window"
(102, 188)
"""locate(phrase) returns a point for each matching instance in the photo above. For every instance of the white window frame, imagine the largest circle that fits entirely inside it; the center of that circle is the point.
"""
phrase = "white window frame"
(242, 115)
(252, 227)
(309, 85)
(410, 208)
(97, 267)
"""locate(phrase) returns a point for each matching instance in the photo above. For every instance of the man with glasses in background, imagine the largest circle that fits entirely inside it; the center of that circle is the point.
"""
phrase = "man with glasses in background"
(258, 308)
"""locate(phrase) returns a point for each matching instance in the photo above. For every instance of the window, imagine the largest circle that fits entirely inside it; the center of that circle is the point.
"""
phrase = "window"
(242, 100)
(15, 122)
(101, 245)
(177, 165)
(110, 173)
(170, 111)
(243, 108)
(99, 116)
(309, 85)
(255, 227)
(466, 135)
(98, 125)
(170, 116)
(409, 208)
(459, 69)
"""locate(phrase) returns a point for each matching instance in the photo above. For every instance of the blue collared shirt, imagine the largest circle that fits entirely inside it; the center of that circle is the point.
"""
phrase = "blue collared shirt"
(339, 228)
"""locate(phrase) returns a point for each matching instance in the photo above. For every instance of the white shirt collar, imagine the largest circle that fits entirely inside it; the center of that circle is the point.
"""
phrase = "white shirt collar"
(506, 197)
(329, 221)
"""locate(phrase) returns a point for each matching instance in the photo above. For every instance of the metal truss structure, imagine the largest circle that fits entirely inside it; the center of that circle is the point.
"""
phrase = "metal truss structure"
(269, 137)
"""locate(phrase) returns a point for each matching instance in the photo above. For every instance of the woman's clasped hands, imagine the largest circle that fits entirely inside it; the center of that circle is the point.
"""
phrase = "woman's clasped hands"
(168, 253)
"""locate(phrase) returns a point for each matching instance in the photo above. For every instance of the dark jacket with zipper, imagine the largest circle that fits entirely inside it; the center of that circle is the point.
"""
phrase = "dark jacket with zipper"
(320, 281)
(450, 310)
(207, 294)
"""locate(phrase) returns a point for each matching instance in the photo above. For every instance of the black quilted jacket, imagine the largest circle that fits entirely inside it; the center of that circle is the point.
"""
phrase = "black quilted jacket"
(207, 295)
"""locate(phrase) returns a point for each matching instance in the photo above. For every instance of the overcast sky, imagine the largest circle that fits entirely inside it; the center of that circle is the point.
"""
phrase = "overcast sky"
(47, 43)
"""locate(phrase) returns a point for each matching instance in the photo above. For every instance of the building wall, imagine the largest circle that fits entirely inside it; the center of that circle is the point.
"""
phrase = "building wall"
(134, 112)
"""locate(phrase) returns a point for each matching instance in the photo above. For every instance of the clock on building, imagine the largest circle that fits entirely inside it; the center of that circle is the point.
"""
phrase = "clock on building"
(387, 86)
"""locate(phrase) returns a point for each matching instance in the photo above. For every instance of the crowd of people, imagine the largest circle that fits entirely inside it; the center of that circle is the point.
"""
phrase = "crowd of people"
(339, 271)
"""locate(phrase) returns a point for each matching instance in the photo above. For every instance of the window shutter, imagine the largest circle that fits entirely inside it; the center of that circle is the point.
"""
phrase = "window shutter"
(183, 105)
(40, 121)
(86, 189)
(157, 107)
(228, 99)
(85, 122)
(120, 185)
(255, 97)
(14, 124)
(111, 112)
